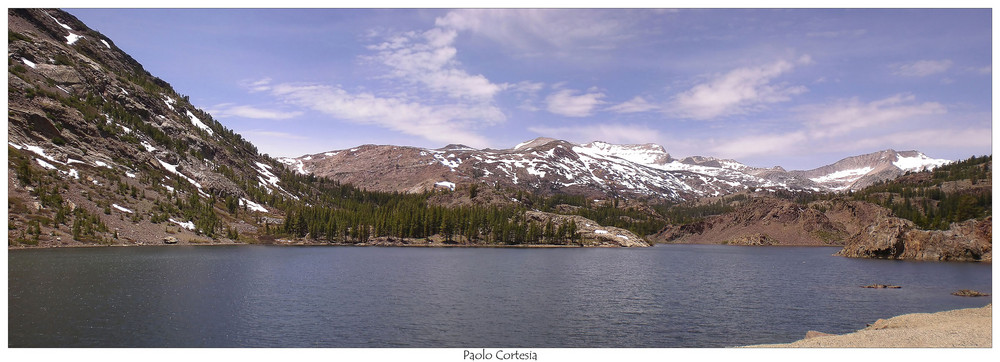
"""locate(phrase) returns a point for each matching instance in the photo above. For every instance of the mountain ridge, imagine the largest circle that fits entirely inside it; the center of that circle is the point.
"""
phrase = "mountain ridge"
(596, 168)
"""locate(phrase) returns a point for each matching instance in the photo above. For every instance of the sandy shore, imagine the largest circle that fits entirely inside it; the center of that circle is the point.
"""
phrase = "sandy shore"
(971, 327)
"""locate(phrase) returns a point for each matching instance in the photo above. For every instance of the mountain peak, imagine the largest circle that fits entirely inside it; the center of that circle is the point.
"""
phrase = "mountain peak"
(533, 143)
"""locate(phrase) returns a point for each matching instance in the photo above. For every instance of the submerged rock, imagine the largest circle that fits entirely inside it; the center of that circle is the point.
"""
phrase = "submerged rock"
(881, 286)
(969, 293)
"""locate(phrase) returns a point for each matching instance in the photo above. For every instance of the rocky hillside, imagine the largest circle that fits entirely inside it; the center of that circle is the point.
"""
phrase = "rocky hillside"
(772, 221)
(598, 169)
(881, 221)
(102, 151)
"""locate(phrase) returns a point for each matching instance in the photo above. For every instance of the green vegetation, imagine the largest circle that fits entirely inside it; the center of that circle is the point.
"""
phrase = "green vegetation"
(953, 193)
(686, 213)
(13, 35)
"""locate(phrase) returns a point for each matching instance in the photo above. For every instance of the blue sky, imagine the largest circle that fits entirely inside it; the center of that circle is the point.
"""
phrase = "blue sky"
(797, 88)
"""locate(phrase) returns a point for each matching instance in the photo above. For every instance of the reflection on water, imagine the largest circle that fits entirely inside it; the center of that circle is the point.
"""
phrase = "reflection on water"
(259, 296)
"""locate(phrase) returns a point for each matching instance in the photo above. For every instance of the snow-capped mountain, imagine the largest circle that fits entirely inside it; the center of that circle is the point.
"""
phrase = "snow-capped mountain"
(854, 173)
(598, 168)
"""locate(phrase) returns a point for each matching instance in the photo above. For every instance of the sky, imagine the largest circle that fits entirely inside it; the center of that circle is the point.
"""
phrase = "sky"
(797, 88)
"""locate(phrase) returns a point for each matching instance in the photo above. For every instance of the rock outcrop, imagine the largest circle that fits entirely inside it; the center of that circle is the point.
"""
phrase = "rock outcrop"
(894, 238)
(756, 239)
(589, 232)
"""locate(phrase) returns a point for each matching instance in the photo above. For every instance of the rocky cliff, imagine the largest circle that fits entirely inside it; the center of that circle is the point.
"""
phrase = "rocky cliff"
(894, 238)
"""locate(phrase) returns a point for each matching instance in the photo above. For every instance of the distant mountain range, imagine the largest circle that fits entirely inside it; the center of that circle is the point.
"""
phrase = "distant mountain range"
(549, 166)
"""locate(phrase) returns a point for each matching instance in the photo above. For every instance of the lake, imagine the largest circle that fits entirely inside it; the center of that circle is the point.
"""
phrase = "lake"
(271, 296)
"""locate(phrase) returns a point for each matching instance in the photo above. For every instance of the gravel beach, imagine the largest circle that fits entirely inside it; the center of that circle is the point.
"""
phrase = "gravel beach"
(972, 327)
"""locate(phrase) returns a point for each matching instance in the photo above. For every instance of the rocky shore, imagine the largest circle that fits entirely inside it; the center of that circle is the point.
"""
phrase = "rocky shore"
(895, 238)
(970, 327)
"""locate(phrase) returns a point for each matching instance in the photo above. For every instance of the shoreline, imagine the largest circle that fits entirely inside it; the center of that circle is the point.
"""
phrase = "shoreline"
(285, 242)
(959, 328)
(318, 244)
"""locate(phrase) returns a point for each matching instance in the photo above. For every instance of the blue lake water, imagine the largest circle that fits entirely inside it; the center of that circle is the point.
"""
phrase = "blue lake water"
(265, 296)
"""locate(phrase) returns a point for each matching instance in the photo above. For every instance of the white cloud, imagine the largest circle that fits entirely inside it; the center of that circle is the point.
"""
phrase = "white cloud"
(613, 133)
(258, 85)
(982, 70)
(921, 68)
(842, 117)
(634, 105)
(565, 102)
(428, 59)
(445, 123)
(227, 110)
(739, 91)
(543, 30)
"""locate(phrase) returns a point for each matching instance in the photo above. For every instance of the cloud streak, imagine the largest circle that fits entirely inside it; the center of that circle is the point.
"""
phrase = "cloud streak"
(843, 117)
(921, 68)
(739, 91)
(227, 110)
(568, 102)
(634, 105)
(542, 30)
(446, 123)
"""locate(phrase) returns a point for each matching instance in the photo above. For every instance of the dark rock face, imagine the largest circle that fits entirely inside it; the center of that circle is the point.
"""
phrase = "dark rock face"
(894, 238)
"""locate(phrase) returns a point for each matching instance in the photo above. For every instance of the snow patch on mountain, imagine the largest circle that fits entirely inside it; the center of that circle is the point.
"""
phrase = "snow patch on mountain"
(450, 185)
(72, 38)
(173, 170)
(187, 225)
(918, 163)
(252, 206)
(296, 164)
(641, 154)
(198, 123)
(59, 22)
(844, 175)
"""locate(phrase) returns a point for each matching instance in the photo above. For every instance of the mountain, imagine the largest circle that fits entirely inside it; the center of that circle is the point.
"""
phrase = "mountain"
(99, 145)
(597, 169)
